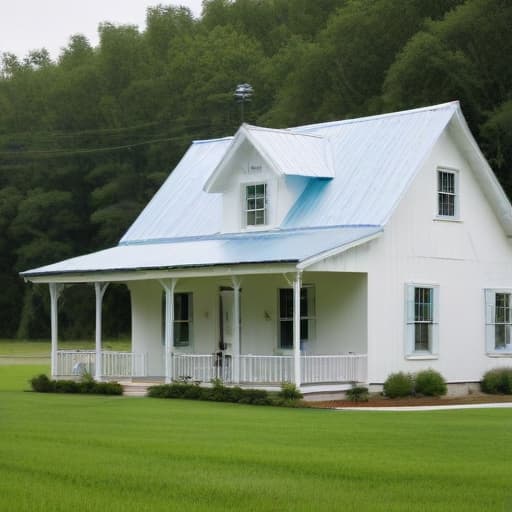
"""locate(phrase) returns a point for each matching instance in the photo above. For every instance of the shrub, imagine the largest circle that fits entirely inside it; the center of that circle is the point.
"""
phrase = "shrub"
(357, 394)
(430, 383)
(289, 391)
(42, 384)
(255, 397)
(68, 386)
(398, 385)
(497, 381)
(107, 388)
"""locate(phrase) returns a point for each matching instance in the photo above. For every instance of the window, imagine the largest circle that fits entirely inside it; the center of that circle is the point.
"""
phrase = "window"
(498, 320)
(446, 193)
(307, 316)
(422, 323)
(256, 205)
(182, 319)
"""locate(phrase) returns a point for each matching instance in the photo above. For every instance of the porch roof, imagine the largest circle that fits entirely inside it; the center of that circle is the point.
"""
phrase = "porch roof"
(280, 246)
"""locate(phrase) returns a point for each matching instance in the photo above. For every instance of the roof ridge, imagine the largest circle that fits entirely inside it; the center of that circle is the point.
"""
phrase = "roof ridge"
(454, 104)
(284, 131)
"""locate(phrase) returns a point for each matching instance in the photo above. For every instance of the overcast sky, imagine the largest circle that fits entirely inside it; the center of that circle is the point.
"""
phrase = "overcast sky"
(31, 24)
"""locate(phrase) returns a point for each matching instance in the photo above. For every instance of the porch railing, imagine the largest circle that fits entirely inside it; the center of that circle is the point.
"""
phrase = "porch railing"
(337, 368)
(72, 363)
(263, 369)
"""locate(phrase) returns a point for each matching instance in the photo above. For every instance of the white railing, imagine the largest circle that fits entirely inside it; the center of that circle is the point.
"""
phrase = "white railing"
(75, 362)
(201, 367)
(72, 363)
(338, 368)
(266, 369)
(263, 369)
(124, 364)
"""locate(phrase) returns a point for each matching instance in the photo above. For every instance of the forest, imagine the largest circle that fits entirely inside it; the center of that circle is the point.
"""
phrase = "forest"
(86, 139)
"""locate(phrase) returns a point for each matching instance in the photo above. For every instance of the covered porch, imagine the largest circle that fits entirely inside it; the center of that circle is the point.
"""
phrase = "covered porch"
(259, 328)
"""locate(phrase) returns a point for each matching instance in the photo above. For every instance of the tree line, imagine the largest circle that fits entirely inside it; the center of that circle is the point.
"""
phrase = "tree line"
(86, 139)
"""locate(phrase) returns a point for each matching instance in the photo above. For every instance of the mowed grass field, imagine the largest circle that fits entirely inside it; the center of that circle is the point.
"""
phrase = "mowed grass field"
(89, 453)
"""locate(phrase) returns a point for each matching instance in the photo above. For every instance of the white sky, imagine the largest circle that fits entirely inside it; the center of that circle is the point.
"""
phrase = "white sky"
(32, 24)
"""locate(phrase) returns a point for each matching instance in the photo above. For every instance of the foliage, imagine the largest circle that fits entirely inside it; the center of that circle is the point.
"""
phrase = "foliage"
(399, 385)
(497, 381)
(429, 383)
(85, 141)
(220, 393)
(87, 385)
(358, 394)
(42, 384)
(289, 391)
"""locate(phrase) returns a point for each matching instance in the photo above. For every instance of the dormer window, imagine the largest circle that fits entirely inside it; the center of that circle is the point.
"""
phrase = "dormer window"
(256, 204)
(447, 193)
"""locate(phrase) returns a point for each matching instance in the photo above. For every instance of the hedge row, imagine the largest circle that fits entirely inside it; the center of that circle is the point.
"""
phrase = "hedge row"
(288, 396)
(42, 384)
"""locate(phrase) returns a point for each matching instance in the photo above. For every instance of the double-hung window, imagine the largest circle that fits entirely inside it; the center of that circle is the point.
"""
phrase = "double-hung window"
(447, 200)
(498, 304)
(307, 316)
(182, 319)
(422, 320)
(256, 204)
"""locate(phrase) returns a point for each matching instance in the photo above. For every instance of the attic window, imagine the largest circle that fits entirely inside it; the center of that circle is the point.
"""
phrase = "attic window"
(446, 193)
(256, 204)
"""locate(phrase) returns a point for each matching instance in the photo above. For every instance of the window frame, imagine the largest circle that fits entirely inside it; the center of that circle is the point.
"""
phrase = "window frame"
(189, 321)
(455, 194)
(412, 323)
(491, 322)
(309, 317)
(245, 206)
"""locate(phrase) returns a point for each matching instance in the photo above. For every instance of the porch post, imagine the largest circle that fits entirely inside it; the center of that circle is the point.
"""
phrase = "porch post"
(169, 285)
(296, 327)
(236, 329)
(55, 291)
(99, 289)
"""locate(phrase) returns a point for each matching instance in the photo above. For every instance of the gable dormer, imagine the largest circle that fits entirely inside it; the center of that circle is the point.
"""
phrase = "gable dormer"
(263, 173)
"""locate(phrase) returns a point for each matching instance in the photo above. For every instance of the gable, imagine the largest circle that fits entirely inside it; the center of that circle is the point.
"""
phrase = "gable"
(284, 152)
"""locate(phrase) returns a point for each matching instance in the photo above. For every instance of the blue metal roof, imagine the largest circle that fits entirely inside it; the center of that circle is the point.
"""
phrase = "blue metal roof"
(373, 161)
(292, 246)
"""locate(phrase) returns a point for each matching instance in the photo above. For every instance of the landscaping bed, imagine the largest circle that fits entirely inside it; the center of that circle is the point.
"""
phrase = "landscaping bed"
(382, 401)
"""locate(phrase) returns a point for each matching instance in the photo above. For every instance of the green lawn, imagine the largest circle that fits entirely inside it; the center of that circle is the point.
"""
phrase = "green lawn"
(88, 453)
(38, 352)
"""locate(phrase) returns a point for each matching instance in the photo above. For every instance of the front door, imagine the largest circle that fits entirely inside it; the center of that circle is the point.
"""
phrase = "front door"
(226, 320)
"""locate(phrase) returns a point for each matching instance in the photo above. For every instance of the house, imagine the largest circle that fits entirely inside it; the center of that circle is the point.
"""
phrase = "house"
(322, 255)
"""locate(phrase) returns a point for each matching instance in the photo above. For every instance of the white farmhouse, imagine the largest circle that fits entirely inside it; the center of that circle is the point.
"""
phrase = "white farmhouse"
(321, 255)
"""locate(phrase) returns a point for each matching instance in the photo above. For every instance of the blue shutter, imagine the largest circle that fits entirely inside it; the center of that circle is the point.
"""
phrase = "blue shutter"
(435, 320)
(409, 319)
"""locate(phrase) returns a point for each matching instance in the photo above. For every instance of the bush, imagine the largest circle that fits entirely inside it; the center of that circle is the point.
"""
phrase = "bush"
(106, 388)
(357, 394)
(42, 384)
(398, 385)
(255, 397)
(68, 386)
(430, 383)
(497, 381)
(289, 391)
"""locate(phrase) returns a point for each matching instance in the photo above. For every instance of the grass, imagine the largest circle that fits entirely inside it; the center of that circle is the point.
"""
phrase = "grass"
(38, 352)
(85, 453)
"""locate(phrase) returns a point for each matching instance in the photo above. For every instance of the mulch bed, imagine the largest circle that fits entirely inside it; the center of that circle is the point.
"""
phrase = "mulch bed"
(381, 401)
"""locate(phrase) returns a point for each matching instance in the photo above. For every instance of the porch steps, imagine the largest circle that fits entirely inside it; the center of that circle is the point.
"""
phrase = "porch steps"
(139, 389)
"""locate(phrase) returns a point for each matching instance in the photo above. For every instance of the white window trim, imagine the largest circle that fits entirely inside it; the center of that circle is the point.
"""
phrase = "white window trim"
(456, 216)
(310, 317)
(490, 323)
(410, 352)
(243, 194)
